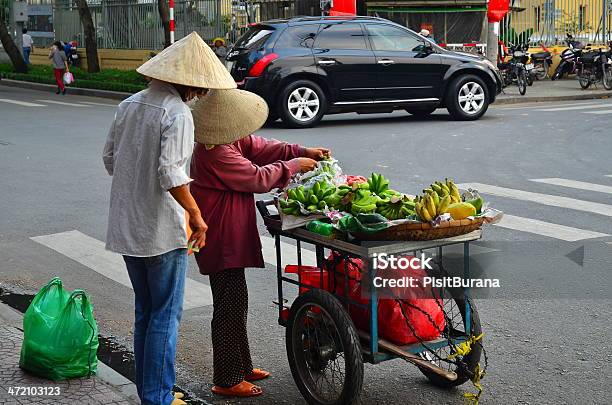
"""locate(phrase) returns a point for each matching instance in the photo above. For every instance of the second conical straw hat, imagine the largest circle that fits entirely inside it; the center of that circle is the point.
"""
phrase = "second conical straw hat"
(189, 62)
(225, 116)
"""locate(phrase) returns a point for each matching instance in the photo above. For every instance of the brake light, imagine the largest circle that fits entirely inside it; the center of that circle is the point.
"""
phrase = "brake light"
(257, 69)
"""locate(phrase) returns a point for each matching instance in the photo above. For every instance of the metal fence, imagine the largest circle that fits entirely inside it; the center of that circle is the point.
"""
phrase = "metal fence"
(135, 24)
(548, 21)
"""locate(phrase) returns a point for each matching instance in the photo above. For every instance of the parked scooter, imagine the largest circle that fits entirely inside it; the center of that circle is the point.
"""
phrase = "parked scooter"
(595, 66)
(569, 57)
(514, 70)
(541, 63)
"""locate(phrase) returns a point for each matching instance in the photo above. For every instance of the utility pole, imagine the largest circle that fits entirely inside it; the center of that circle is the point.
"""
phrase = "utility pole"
(492, 39)
(18, 16)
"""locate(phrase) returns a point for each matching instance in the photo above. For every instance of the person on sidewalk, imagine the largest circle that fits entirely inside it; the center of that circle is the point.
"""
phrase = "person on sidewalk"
(228, 166)
(28, 45)
(220, 48)
(149, 144)
(58, 60)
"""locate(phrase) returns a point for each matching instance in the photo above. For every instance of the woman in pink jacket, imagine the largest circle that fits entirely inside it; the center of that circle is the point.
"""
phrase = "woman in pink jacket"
(228, 166)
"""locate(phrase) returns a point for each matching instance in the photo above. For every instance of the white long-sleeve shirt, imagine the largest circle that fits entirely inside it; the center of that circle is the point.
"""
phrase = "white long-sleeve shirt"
(148, 147)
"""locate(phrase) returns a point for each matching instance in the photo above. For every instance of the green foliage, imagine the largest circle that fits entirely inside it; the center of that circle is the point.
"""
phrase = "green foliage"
(107, 79)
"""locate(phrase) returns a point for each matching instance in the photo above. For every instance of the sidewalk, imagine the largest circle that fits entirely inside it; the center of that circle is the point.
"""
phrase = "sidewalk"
(107, 387)
(547, 90)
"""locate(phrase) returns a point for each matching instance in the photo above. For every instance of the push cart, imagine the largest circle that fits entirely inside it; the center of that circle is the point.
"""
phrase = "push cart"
(326, 351)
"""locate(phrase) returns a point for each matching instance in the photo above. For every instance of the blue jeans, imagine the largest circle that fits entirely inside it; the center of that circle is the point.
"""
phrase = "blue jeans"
(26, 55)
(159, 285)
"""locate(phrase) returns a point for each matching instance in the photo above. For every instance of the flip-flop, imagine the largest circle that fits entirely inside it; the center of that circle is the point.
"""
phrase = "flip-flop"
(257, 374)
(177, 401)
(178, 395)
(244, 389)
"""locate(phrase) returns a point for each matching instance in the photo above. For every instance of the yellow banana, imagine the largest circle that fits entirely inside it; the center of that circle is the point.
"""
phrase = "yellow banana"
(425, 215)
(455, 192)
(444, 203)
(430, 205)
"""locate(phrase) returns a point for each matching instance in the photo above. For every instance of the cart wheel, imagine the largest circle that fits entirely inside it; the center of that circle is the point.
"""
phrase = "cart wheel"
(455, 327)
(323, 350)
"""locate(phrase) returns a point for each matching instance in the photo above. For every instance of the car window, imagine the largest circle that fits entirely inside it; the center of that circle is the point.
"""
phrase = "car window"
(389, 38)
(300, 36)
(340, 36)
(254, 38)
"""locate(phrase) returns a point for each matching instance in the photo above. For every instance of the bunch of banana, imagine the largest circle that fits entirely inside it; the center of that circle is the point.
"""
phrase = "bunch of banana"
(290, 207)
(364, 202)
(340, 198)
(444, 189)
(378, 184)
(430, 205)
(313, 199)
(396, 207)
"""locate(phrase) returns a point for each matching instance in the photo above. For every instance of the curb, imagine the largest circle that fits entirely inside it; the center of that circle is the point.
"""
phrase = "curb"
(114, 95)
(520, 100)
(13, 318)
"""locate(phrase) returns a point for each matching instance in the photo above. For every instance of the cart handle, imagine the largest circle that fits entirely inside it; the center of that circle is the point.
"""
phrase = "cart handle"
(262, 206)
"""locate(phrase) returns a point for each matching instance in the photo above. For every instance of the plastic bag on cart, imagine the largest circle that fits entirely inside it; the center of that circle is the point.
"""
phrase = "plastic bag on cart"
(414, 315)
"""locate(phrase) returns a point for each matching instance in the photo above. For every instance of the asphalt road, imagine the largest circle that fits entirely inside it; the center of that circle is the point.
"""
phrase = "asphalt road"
(545, 328)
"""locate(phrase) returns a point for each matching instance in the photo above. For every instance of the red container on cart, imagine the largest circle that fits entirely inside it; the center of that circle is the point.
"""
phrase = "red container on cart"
(309, 275)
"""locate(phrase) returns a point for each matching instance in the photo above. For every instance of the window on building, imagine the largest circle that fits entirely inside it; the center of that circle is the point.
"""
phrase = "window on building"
(581, 18)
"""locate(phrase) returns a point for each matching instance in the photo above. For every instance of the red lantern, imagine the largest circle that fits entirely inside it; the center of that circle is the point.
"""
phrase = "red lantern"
(497, 10)
(343, 7)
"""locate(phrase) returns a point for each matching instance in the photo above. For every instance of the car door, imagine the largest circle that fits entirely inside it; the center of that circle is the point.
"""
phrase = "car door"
(343, 56)
(407, 66)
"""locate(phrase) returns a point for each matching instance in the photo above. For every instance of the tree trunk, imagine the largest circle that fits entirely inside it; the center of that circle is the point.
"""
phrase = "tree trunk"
(164, 14)
(11, 49)
(91, 45)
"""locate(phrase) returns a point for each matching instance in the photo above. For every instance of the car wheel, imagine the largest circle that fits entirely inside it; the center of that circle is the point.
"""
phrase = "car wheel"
(467, 98)
(302, 104)
(421, 112)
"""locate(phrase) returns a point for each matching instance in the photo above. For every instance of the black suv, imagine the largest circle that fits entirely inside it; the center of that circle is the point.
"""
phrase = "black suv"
(307, 67)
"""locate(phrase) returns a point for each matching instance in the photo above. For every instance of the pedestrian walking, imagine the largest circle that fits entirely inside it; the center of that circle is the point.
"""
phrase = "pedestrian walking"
(60, 65)
(149, 144)
(229, 165)
(28, 45)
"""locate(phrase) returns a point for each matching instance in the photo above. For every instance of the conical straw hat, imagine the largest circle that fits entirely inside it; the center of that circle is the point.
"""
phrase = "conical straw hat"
(189, 62)
(225, 116)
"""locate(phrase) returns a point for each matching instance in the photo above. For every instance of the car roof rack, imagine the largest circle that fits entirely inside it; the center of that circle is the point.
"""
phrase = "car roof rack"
(332, 17)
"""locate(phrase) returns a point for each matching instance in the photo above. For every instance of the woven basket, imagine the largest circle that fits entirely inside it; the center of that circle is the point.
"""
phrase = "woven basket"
(424, 230)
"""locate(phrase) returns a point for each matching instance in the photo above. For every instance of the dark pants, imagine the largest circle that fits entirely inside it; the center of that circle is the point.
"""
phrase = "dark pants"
(26, 55)
(59, 78)
(231, 353)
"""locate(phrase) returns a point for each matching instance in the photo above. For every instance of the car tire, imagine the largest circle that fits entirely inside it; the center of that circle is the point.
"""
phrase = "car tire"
(466, 87)
(302, 104)
(421, 112)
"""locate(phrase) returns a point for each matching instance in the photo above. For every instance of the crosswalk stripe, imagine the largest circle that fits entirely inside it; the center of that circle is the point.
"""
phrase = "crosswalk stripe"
(288, 253)
(545, 199)
(65, 103)
(91, 253)
(575, 107)
(551, 230)
(22, 103)
(581, 185)
(601, 112)
(102, 104)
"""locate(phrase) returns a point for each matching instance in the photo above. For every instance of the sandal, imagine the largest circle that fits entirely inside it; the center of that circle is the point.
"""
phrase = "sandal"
(257, 374)
(244, 389)
(178, 395)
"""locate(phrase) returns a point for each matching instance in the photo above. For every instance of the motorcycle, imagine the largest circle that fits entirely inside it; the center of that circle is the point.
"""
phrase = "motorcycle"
(595, 66)
(541, 63)
(569, 57)
(515, 69)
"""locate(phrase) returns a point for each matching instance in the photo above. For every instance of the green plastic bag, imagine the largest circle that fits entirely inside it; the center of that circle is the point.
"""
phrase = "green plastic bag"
(60, 334)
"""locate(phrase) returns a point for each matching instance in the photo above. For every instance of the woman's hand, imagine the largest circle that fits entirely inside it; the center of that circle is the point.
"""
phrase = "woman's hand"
(307, 164)
(317, 153)
(199, 228)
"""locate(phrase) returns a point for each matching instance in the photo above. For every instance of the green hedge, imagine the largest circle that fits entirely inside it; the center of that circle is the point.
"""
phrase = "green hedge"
(107, 79)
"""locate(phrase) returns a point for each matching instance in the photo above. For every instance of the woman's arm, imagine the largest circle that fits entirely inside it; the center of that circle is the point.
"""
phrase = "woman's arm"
(262, 151)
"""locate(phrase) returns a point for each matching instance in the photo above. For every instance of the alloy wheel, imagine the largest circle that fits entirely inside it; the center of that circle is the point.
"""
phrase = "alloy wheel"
(471, 98)
(303, 104)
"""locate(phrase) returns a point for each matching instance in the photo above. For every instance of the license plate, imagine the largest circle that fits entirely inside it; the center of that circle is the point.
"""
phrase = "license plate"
(529, 66)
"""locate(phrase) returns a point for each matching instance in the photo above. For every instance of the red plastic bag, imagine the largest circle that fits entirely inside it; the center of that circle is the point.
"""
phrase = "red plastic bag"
(399, 320)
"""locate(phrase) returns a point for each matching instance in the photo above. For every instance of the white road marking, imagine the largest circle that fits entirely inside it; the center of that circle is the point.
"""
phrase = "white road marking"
(575, 107)
(581, 185)
(91, 253)
(65, 103)
(288, 253)
(556, 231)
(545, 199)
(601, 112)
(102, 104)
(608, 175)
(22, 103)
